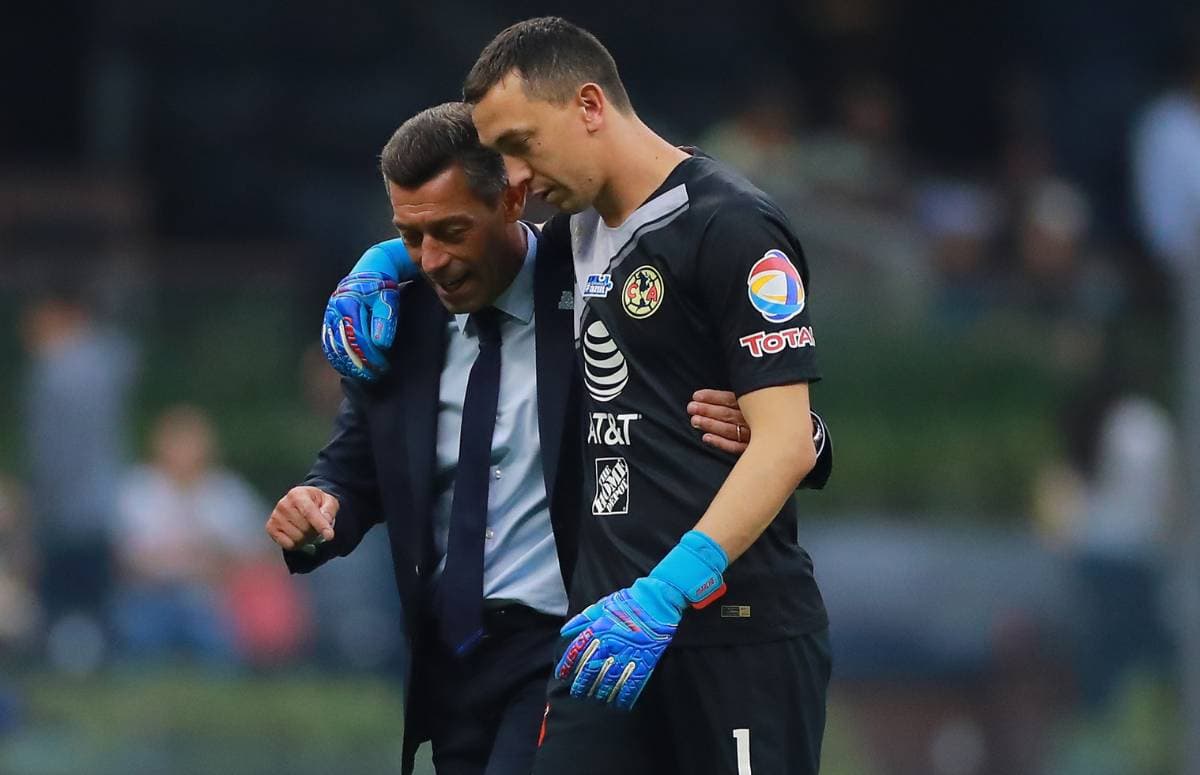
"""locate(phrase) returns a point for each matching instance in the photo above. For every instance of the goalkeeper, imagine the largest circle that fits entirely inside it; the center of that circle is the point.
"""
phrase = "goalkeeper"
(697, 608)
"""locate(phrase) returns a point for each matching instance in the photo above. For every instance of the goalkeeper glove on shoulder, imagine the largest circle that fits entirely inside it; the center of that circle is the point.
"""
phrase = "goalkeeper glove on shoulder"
(361, 315)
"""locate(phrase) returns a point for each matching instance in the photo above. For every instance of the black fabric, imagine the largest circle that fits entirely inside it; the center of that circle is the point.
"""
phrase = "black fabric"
(685, 721)
(460, 592)
(688, 306)
(516, 617)
(487, 706)
(818, 477)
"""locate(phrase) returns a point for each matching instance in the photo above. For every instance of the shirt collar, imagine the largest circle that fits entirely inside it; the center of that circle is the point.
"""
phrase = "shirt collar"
(517, 299)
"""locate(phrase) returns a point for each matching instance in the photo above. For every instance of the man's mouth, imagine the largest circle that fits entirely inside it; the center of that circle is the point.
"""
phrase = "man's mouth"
(452, 285)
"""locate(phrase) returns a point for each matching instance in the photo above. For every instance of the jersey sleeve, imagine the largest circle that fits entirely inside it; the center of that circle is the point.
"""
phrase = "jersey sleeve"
(754, 282)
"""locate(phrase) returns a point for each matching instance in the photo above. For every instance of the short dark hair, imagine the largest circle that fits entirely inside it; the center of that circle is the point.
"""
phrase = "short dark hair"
(431, 141)
(553, 57)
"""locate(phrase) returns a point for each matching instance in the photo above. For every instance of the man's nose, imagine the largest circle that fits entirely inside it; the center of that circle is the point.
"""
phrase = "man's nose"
(518, 171)
(432, 256)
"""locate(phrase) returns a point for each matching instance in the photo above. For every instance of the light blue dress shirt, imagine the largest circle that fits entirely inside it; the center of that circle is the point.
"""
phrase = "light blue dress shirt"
(520, 560)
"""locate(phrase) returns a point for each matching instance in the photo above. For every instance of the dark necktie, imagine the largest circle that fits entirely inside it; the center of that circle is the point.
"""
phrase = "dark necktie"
(461, 587)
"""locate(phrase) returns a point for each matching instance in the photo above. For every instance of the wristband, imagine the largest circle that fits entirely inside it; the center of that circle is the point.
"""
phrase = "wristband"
(694, 568)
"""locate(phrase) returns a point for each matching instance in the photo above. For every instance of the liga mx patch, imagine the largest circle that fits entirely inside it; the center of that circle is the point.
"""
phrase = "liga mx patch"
(597, 286)
(643, 292)
(775, 288)
(612, 487)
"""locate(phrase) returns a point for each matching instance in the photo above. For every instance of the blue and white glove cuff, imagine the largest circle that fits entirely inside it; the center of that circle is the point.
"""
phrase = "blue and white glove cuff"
(694, 567)
(390, 258)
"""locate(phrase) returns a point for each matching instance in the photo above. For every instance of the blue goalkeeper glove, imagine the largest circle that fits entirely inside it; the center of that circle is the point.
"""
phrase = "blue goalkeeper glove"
(360, 318)
(619, 639)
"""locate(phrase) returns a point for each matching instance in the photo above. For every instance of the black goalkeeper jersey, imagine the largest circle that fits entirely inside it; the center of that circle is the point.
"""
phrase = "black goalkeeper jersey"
(703, 286)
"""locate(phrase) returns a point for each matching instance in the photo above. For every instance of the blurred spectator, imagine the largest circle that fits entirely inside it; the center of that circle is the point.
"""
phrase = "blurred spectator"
(1110, 506)
(271, 617)
(845, 187)
(960, 219)
(1166, 166)
(19, 610)
(1051, 231)
(762, 139)
(1067, 288)
(75, 401)
(856, 161)
(1132, 487)
(859, 160)
(185, 526)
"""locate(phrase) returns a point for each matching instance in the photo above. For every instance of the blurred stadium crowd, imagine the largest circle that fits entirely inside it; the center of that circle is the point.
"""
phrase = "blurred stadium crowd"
(997, 204)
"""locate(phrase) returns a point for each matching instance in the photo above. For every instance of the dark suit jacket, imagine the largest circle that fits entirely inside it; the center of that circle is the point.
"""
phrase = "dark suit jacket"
(380, 460)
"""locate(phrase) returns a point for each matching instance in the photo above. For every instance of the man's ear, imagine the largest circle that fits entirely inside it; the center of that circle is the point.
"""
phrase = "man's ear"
(513, 201)
(593, 104)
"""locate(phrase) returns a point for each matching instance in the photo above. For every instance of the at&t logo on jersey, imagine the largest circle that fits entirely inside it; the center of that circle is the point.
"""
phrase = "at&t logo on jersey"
(597, 286)
(771, 342)
(604, 369)
(643, 292)
(775, 288)
(610, 429)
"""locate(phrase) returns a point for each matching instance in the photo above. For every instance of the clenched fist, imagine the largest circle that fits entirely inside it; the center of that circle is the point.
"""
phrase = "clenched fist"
(304, 516)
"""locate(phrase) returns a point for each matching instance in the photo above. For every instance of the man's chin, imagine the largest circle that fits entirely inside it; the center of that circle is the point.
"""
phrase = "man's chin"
(461, 300)
(571, 206)
(458, 307)
(463, 305)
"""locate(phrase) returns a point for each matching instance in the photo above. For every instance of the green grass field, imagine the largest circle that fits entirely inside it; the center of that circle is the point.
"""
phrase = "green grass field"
(181, 722)
(184, 722)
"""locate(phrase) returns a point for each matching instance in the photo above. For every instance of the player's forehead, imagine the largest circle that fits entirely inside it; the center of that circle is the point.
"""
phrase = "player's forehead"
(445, 197)
(506, 110)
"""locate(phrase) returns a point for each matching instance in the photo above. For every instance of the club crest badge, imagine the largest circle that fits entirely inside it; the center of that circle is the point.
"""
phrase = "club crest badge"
(643, 292)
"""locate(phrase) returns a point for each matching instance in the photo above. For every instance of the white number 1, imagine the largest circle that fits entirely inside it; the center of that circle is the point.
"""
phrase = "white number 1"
(742, 736)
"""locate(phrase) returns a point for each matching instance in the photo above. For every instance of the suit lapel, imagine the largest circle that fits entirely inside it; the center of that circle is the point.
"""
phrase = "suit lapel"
(553, 297)
(421, 353)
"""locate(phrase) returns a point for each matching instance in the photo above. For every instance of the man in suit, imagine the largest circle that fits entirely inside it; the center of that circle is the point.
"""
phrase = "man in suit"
(411, 449)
